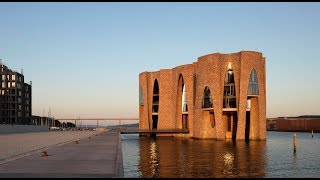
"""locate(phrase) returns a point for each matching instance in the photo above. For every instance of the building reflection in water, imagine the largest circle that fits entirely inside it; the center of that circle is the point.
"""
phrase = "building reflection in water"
(174, 157)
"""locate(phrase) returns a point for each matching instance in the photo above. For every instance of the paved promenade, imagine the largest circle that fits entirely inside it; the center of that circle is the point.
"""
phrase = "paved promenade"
(95, 154)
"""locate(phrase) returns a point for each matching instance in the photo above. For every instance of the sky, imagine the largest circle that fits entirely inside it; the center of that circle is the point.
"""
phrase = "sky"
(84, 59)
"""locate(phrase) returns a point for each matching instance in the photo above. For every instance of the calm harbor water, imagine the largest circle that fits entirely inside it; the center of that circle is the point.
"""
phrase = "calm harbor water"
(176, 157)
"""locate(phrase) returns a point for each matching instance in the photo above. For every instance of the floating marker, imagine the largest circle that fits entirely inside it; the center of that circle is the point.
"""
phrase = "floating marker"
(294, 143)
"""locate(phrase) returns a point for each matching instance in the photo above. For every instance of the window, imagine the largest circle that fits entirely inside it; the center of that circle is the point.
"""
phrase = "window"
(13, 77)
(184, 99)
(253, 88)
(155, 100)
(13, 84)
(229, 94)
(3, 85)
(248, 103)
(140, 96)
(3, 77)
(207, 99)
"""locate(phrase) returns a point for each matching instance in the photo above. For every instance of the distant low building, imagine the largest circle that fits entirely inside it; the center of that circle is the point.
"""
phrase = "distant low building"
(42, 121)
(271, 124)
(296, 124)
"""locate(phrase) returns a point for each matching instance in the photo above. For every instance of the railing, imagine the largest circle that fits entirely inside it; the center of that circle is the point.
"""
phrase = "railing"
(136, 131)
(97, 119)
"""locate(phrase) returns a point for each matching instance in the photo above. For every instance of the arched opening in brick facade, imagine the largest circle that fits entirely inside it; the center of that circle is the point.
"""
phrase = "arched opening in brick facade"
(207, 98)
(230, 104)
(207, 106)
(252, 109)
(155, 105)
(182, 104)
(253, 88)
(229, 91)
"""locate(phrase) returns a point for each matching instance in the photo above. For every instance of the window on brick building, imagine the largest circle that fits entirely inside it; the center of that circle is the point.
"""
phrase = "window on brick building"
(229, 93)
(207, 99)
(184, 99)
(155, 100)
(253, 88)
(140, 96)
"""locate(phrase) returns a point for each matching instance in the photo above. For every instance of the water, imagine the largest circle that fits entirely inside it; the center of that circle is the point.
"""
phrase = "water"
(176, 157)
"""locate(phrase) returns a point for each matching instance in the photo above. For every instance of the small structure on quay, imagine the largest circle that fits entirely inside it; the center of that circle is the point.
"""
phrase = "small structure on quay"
(221, 96)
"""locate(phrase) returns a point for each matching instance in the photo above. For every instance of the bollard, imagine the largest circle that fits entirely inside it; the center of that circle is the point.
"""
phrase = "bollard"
(294, 143)
(312, 133)
(44, 153)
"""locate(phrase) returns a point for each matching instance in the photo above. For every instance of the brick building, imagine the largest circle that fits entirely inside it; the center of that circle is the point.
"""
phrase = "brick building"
(15, 97)
(221, 96)
(296, 124)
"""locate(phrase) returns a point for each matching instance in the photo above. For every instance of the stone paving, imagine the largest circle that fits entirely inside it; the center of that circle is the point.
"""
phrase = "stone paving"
(17, 145)
(97, 155)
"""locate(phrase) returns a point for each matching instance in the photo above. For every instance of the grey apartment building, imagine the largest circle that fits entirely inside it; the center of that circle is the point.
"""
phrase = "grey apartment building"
(15, 97)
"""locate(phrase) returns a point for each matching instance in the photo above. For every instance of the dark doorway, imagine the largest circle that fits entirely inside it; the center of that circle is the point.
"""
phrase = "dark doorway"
(235, 125)
(185, 121)
(232, 125)
(247, 130)
(154, 121)
(154, 125)
(229, 122)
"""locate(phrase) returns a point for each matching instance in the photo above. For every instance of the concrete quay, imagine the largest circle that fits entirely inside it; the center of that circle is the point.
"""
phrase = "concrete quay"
(89, 154)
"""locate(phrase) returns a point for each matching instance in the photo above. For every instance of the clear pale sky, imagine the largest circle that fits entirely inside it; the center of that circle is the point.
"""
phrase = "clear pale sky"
(84, 59)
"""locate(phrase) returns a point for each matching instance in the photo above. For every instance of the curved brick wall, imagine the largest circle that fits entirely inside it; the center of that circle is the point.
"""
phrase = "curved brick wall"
(209, 71)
